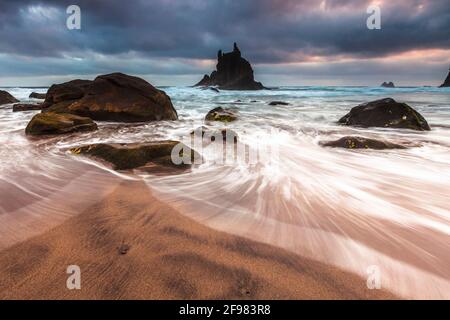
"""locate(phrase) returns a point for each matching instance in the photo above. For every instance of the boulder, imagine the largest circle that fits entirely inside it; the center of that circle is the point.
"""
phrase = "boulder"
(233, 73)
(224, 134)
(6, 97)
(278, 103)
(222, 115)
(128, 156)
(35, 95)
(355, 142)
(446, 82)
(58, 123)
(388, 85)
(26, 107)
(386, 113)
(112, 97)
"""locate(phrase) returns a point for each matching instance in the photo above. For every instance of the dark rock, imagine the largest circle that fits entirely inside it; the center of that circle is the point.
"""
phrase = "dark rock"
(135, 155)
(113, 97)
(36, 95)
(221, 114)
(278, 103)
(26, 107)
(212, 89)
(446, 82)
(386, 113)
(361, 143)
(58, 123)
(233, 73)
(211, 135)
(123, 249)
(388, 85)
(6, 97)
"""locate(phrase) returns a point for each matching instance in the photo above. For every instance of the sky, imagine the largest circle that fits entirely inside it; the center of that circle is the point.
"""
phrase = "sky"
(175, 42)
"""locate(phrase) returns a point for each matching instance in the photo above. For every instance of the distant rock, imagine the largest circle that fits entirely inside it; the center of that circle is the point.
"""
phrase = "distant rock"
(57, 123)
(388, 85)
(278, 103)
(112, 97)
(26, 107)
(386, 113)
(128, 156)
(355, 142)
(222, 115)
(446, 82)
(36, 95)
(6, 97)
(233, 73)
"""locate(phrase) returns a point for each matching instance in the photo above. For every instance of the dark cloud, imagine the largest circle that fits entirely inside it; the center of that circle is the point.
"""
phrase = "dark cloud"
(268, 31)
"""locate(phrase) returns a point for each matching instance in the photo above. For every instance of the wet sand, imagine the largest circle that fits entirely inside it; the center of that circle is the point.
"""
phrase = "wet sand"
(170, 257)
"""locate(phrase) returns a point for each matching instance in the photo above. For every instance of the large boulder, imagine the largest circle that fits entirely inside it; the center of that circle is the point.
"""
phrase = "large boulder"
(26, 107)
(447, 81)
(6, 97)
(112, 97)
(355, 142)
(58, 123)
(135, 155)
(233, 73)
(35, 95)
(386, 113)
(222, 115)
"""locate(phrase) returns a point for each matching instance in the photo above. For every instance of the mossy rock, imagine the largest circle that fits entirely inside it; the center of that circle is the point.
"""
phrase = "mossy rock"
(58, 123)
(354, 142)
(128, 156)
(222, 115)
(385, 113)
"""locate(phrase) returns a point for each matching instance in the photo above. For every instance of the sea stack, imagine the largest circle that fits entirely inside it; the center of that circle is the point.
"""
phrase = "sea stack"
(233, 73)
(447, 81)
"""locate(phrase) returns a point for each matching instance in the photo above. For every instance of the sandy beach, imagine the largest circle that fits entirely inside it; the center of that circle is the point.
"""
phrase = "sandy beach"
(169, 257)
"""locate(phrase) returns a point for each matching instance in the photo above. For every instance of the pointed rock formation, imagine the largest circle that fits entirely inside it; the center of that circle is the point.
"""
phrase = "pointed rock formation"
(233, 73)
(447, 81)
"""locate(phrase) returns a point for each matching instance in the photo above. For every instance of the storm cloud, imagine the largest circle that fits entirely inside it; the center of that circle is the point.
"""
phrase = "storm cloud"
(181, 37)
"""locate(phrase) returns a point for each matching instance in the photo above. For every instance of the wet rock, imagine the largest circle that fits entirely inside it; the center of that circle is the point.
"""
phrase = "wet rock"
(222, 115)
(6, 97)
(127, 156)
(26, 107)
(210, 135)
(355, 142)
(278, 103)
(57, 123)
(113, 97)
(233, 73)
(36, 95)
(388, 85)
(386, 113)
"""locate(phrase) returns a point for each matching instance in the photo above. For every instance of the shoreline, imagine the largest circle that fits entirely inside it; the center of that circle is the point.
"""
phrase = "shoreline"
(170, 256)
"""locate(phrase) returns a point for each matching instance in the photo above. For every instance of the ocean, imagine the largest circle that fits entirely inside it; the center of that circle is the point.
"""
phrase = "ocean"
(354, 209)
